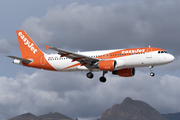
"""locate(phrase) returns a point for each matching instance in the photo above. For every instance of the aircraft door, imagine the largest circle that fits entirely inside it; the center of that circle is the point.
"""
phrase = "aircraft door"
(149, 53)
(42, 61)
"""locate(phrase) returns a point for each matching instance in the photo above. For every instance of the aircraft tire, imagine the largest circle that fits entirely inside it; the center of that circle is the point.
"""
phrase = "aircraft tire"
(152, 74)
(102, 79)
(90, 75)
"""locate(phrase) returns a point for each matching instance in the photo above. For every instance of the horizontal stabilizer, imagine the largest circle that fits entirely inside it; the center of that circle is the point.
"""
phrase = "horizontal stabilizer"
(21, 59)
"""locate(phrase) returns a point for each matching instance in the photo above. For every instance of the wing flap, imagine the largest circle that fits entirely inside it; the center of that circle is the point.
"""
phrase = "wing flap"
(75, 56)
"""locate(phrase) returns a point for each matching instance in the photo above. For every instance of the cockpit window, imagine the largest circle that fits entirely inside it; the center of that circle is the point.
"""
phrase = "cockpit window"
(162, 52)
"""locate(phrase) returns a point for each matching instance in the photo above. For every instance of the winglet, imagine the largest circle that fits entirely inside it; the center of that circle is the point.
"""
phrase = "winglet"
(47, 47)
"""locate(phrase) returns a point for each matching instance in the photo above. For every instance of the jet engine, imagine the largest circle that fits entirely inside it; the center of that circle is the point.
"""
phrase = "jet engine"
(126, 72)
(108, 65)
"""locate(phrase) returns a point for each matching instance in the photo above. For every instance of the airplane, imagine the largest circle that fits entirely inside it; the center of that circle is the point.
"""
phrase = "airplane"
(120, 62)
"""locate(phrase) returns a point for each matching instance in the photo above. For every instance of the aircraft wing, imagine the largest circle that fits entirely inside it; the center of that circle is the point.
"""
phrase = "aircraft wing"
(21, 59)
(83, 59)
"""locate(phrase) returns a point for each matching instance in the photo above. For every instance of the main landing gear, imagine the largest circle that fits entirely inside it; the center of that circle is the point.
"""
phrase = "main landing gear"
(151, 69)
(90, 75)
(101, 79)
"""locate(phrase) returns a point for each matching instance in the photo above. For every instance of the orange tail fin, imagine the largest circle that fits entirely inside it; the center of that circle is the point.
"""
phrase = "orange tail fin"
(28, 48)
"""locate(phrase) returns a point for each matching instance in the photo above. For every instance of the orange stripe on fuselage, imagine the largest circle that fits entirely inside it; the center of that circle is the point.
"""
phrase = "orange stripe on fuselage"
(128, 52)
(77, 64)
(123, 53)
(37, 63)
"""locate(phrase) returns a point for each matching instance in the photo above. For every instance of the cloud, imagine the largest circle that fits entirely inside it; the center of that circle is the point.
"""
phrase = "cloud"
(79, 96)
(36, 30)
(87, 27)
(120, 25)
(5, 46)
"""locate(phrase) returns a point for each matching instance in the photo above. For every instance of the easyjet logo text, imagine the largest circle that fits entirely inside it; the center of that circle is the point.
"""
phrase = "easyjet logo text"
(133, 51)
(26, 42)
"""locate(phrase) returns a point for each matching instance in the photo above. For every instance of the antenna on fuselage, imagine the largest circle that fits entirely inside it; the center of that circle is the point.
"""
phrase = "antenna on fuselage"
(149, 46)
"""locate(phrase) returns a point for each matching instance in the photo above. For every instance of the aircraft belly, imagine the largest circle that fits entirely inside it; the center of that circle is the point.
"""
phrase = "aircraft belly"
(81, 68)
(58, 65)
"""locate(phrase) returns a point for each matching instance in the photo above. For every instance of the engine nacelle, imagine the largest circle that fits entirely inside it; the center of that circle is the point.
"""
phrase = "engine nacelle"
(120, 64)
(108, 65)
(16, 61)
(126, 72)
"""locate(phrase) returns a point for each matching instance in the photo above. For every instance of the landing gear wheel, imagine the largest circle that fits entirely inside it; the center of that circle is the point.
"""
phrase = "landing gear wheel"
(102, 79)
(90, 75)
(151, 69)
(152, 74)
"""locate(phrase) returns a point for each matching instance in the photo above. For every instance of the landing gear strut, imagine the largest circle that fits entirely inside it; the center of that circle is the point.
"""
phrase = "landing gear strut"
(103, 79)
(90, 75)
(151, 69)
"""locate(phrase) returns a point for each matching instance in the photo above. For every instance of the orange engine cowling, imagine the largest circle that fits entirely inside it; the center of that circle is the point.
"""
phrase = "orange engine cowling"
(126, 72)
(108, 65)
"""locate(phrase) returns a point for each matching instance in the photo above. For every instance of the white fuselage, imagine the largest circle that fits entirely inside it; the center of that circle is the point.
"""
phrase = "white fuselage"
(120, 62)
(143, 59)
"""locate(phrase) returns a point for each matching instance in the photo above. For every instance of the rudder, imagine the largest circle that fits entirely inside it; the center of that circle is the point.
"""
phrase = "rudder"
(27, 46)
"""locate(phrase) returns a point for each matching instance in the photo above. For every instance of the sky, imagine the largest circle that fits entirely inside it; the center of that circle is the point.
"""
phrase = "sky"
(87, 25)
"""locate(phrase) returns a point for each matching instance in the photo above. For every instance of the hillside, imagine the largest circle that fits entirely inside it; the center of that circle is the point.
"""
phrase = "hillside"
(172, 116)
(131, 110)
(54, 116)
(49, 116)
(27, 116)
(128, 110)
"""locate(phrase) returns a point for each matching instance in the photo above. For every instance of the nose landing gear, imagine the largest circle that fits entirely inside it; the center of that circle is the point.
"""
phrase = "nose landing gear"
(152, 74)
(151, 69)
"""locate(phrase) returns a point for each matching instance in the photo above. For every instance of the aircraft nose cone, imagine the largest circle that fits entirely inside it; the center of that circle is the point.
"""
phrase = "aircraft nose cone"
(171, 58)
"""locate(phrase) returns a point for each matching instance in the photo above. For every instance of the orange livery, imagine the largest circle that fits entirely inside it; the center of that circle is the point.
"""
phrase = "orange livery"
(120, 62)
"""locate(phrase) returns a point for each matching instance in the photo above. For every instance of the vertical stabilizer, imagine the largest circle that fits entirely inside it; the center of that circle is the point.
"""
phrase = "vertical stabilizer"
(29, 49)
(32, 56)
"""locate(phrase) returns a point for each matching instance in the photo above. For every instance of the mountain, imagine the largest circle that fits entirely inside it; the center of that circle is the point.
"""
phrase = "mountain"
(27, 116)
(49, 116)
(131, 110)
(54, 116)
(172, 116)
